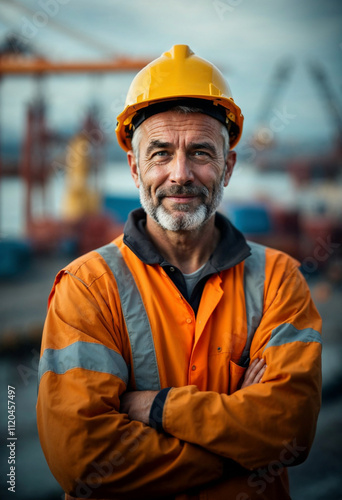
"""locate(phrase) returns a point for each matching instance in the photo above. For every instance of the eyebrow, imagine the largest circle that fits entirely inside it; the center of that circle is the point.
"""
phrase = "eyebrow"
(203, 145)
(157, 144)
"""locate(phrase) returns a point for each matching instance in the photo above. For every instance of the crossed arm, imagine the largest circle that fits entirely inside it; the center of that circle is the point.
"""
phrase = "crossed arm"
(250, 426)
(137, 404)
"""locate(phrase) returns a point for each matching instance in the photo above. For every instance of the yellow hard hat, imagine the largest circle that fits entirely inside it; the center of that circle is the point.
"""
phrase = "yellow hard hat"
(178, 75)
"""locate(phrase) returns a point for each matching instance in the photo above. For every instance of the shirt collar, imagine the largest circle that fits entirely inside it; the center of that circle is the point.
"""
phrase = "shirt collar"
(230, 251)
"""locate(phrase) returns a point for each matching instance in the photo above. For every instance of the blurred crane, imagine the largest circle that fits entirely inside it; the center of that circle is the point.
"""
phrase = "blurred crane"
(19, 58)
(319, 75)
(263, 136)
(327, 165)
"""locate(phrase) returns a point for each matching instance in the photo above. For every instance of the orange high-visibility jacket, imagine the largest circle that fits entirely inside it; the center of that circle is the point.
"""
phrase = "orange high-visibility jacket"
(115, 324)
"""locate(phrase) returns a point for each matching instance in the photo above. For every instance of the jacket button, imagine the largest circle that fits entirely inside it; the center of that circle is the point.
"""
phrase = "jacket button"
(189, 320)
(172, 269)
(193, 368)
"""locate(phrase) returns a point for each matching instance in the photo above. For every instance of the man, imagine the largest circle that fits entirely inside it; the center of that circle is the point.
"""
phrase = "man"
(179, 361)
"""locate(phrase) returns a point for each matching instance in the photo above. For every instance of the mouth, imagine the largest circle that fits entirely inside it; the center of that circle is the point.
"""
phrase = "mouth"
(181, 198)
(182, 195)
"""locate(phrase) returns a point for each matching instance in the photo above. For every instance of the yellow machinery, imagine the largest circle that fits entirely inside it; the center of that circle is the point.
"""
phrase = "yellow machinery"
(79, 199)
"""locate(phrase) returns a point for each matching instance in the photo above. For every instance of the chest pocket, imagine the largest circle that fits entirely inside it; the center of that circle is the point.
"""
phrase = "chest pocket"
(236, 372)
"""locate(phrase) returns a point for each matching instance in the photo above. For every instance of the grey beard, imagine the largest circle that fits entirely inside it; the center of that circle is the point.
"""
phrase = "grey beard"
(187, 220)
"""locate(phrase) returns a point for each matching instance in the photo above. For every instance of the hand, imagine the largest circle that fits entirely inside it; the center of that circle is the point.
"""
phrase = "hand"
(137, 405)
(254, 373)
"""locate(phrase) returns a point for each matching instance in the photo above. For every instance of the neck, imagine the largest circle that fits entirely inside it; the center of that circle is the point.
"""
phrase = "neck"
(187, 250)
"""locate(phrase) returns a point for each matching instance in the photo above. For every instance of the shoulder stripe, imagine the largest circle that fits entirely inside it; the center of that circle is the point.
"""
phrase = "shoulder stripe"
(86, 355)
(254, 279)
(139, 330)
(287, 333)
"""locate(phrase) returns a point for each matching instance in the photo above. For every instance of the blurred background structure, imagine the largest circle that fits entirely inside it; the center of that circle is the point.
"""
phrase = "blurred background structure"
(65, 188)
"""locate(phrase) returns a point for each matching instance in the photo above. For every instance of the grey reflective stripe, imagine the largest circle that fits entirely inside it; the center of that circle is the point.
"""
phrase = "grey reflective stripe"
(138, 326)
(287, 333)
(86, 355)
(254, 278)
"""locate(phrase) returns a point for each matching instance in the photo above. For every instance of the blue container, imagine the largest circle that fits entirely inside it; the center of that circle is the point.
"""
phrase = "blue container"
(120, 207)
(15, 257)
(251, 219)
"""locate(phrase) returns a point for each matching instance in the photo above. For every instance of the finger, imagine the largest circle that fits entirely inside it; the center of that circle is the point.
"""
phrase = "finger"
(248, 376)
(260, 374)
(258, 370)
(254, 368)
(249, 372)
(254, 372)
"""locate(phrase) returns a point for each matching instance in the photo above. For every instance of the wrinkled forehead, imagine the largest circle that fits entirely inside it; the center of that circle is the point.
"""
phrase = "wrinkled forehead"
(178, 129)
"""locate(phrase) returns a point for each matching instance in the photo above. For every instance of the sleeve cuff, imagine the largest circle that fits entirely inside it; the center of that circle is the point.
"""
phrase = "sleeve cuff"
(156, 412)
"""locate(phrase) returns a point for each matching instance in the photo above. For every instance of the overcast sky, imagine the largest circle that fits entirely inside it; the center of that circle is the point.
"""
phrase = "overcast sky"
(246, 39)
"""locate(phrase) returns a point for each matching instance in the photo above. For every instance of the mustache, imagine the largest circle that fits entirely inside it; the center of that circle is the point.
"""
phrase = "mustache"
(182, 190)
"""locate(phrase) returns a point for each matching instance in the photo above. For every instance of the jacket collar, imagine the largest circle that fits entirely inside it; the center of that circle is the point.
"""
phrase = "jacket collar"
(231, 250)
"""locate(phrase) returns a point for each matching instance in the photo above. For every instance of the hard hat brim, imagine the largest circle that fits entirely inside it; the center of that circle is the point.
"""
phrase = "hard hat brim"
(223, 109)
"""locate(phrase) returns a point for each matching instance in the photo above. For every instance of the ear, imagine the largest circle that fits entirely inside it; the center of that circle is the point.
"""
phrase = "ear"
(134, 167)
(230, 162)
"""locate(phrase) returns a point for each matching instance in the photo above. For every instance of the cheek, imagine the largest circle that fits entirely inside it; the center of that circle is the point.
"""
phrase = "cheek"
(153, 177)
(211, 177)
(149, 186)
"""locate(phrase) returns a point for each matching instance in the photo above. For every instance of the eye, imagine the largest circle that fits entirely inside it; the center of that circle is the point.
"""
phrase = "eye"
(200, 154)
(160, 156)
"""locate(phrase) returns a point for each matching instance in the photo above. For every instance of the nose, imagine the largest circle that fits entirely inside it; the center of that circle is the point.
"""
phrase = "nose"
(180, 170)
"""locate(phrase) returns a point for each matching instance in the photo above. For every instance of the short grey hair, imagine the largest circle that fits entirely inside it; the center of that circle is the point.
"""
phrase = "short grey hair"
(181, 110)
